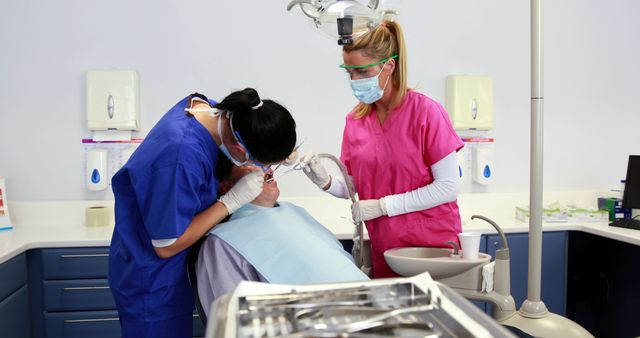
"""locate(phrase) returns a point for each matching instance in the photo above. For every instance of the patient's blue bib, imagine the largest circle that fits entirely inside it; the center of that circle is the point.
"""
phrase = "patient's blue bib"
(288, 246)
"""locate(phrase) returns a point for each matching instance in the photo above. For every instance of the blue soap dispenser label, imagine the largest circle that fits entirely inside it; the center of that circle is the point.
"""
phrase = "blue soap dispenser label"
(487, 171)
(95, 176)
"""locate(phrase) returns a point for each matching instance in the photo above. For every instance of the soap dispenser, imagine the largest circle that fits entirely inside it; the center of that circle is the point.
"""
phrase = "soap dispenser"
(96, 169)
(461, 164)
(482, 165)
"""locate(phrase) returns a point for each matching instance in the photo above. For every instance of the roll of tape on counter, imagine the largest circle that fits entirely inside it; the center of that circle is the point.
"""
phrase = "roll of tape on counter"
(99, 216)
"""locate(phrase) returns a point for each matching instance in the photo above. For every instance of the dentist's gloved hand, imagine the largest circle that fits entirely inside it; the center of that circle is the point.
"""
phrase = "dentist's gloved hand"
(365, 210)
(315, 171)
(244, 191)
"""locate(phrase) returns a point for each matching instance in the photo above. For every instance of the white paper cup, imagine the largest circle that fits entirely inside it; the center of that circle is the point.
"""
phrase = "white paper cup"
(470, 242)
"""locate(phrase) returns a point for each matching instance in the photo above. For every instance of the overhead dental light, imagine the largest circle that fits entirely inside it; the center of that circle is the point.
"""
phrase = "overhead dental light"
(343, 20)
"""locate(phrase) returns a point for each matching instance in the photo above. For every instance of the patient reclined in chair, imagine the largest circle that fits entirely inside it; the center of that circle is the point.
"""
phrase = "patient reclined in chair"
(270, 242)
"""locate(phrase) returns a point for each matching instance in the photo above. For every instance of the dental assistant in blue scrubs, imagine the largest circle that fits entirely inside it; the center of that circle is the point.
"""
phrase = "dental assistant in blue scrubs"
(166, 198)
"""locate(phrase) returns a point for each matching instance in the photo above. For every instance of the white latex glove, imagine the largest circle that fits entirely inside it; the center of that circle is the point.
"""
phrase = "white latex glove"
(315, 171)
(368, 209)
(244, 191)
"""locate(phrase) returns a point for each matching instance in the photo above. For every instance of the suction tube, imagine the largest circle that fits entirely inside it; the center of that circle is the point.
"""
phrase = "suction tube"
(359, 237)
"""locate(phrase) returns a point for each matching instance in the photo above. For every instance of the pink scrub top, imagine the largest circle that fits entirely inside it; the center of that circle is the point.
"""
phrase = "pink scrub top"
(395, 158)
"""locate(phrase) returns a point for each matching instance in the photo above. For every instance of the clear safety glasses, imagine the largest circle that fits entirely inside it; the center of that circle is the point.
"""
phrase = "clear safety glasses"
(238, 138)
(369, 65)
(362, 71)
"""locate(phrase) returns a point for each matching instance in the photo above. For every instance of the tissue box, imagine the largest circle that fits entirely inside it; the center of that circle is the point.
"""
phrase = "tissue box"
(614, 207)
(608, 203)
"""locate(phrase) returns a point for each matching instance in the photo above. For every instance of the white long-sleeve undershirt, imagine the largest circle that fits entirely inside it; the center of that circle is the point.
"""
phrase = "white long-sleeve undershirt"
(338, 187)
(443, 189)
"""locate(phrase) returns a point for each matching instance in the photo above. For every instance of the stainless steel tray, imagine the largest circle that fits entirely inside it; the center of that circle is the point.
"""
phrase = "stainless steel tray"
(396, 309)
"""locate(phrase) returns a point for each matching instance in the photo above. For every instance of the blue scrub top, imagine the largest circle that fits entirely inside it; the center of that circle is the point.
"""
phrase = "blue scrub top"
(167, 181)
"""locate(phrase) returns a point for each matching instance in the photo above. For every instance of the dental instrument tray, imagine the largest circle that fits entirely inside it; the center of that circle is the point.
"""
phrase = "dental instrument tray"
(397, 307)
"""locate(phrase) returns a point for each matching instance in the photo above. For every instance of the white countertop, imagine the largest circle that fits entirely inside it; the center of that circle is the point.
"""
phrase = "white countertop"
(50, 225)
(61, 223)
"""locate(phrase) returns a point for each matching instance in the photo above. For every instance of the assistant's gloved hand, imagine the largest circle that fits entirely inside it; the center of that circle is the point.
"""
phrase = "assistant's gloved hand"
(365, 210)
(315, 171)
(244, 191)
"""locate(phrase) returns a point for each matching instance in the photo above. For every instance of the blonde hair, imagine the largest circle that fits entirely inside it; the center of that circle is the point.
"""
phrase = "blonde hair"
(383, 42)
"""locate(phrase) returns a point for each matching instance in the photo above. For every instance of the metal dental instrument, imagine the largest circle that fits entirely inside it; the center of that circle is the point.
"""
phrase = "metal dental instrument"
(377, 320)
(297, 166)
(300, 296)
(342, 305)
(294, 149)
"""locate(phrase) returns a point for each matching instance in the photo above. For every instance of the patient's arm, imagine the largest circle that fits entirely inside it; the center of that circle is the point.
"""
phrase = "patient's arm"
(220, 268)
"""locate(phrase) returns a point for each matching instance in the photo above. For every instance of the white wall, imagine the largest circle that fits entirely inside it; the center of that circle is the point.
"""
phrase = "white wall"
(592, 70)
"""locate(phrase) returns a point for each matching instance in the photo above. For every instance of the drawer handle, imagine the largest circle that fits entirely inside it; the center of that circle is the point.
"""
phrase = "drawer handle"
(195, 315)
(85, 288)
(83, 256)
(90, 320)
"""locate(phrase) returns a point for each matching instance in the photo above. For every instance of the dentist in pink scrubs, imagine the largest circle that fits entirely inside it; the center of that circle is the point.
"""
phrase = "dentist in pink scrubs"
(399, 148)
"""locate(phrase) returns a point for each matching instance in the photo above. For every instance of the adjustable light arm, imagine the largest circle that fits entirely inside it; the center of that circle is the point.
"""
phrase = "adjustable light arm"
(341, 19)
(311, 14)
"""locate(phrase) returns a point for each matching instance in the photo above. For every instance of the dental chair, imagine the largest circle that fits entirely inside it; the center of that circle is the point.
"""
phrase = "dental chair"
(192, 258)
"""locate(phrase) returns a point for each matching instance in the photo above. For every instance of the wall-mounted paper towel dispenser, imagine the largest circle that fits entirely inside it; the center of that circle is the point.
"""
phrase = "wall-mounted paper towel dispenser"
(469, 101)
(113, 100)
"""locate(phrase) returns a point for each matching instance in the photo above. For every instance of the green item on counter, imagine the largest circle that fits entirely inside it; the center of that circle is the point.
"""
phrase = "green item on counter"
(612, 205)
(556, 212)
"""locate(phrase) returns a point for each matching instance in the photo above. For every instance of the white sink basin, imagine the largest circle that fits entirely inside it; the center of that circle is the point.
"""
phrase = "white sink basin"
(437, 261)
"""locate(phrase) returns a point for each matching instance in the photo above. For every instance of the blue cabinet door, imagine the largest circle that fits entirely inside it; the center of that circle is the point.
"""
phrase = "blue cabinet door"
(69, 293)
(554, 267)
(14, 314)
(13, 275)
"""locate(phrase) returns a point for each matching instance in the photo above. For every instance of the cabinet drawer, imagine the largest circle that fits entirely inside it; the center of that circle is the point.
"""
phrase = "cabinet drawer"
(16, 268)
(75, 263)
(14, 314)
(81, 294)
(94, 324)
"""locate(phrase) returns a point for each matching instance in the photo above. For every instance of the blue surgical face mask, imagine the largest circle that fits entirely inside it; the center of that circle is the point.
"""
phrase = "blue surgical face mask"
(368, 90)
(224, 149)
